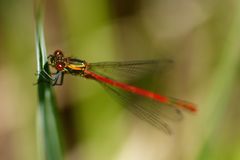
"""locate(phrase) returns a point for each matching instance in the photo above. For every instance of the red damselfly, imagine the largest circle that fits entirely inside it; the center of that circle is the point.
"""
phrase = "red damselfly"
(149, 106)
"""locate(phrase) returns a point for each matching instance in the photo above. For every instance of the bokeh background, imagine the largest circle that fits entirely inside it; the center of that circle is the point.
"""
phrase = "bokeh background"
(203, 39)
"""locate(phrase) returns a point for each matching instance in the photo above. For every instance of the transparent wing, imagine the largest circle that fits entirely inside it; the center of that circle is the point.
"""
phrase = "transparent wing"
(155, 113)
(130, 70)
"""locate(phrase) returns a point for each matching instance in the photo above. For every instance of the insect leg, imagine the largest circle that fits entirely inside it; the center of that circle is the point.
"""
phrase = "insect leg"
(57, 76)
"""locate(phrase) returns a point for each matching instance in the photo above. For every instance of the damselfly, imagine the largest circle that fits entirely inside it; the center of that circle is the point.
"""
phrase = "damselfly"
(149, 106)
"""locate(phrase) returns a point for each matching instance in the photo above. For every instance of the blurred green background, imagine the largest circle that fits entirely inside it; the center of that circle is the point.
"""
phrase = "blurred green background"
(202, 37)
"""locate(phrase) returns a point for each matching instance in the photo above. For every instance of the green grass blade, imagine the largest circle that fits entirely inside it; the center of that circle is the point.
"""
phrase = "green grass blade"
(48, 132)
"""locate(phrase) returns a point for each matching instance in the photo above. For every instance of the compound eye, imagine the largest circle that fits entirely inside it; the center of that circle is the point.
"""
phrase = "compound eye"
(58, 53)
(60, 66)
